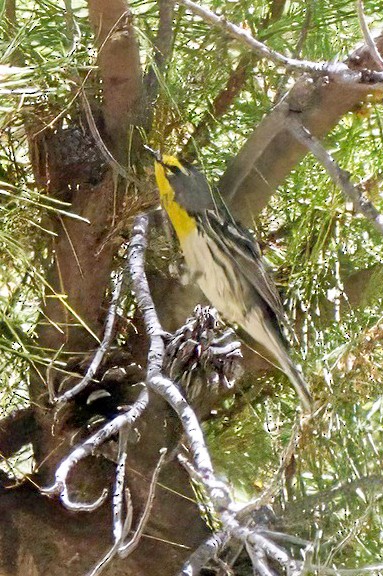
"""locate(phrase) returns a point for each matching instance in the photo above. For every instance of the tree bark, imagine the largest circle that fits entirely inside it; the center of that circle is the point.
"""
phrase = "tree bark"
(37, 535)
(271, 152)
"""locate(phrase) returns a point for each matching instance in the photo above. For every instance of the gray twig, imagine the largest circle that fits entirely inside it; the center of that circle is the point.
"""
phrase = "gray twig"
(119, 491)
(118, 504)
(122, 527)
(339, 176)
(367, 35)
(217, 491)
(103, 348)
(125, 549)
(87, 448)
(155, 380)
(204, 553)
(338, 72)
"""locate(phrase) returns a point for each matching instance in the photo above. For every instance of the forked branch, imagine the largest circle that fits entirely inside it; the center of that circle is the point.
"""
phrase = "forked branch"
(261, 546)
(338, 175)
(218, 493)
(335, 71)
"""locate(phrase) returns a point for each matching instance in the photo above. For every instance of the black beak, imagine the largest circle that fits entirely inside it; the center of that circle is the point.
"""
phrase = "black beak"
(155, 153)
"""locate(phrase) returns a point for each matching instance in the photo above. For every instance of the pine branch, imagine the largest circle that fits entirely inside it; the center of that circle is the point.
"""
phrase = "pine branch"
(338, 175)
(337, 72)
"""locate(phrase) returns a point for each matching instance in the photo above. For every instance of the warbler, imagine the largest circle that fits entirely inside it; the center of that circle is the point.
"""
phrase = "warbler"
(226, 262)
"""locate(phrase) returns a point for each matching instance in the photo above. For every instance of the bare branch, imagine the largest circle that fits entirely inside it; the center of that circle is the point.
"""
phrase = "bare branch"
(87, 448)
(233, 87)
(155, 380)
(118, 504)
(217, 491)
(103, 348)
(248, 40)
(118, 496)
(367, 35)
(120, 526)
(137, 247)
(127, 548)
(338, 175)
(204, 553)
(259, 561)
(338, 72)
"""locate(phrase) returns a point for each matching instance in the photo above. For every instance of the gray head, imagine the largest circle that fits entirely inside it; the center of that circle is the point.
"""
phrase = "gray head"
(190, 186)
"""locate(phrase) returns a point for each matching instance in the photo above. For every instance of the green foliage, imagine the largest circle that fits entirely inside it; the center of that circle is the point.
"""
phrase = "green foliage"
(41, 58)
(316, 244)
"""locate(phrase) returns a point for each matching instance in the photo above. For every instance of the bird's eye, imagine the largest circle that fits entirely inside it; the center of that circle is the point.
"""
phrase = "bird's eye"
(173, 169)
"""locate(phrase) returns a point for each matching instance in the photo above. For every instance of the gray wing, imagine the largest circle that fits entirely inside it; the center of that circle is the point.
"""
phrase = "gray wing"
(245, 254)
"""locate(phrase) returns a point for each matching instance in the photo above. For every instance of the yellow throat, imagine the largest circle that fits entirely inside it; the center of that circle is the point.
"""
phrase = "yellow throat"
(182, 223)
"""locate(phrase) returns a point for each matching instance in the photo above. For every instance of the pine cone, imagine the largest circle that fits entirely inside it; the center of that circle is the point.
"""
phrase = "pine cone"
(203, 356)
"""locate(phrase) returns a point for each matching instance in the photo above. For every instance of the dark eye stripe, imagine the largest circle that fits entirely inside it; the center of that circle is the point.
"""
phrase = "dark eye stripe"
(173, 169)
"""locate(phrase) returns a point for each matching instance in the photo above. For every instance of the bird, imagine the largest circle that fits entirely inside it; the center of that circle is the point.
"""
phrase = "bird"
(226, 262)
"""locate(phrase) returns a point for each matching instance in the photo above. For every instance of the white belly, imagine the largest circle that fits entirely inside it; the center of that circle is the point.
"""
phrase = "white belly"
(206, 265)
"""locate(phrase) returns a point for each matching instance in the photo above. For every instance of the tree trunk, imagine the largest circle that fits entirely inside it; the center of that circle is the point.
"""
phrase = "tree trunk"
(38, 536)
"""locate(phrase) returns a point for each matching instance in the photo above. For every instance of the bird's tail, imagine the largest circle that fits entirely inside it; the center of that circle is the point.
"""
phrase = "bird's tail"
(297, 380)
(272, 340)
